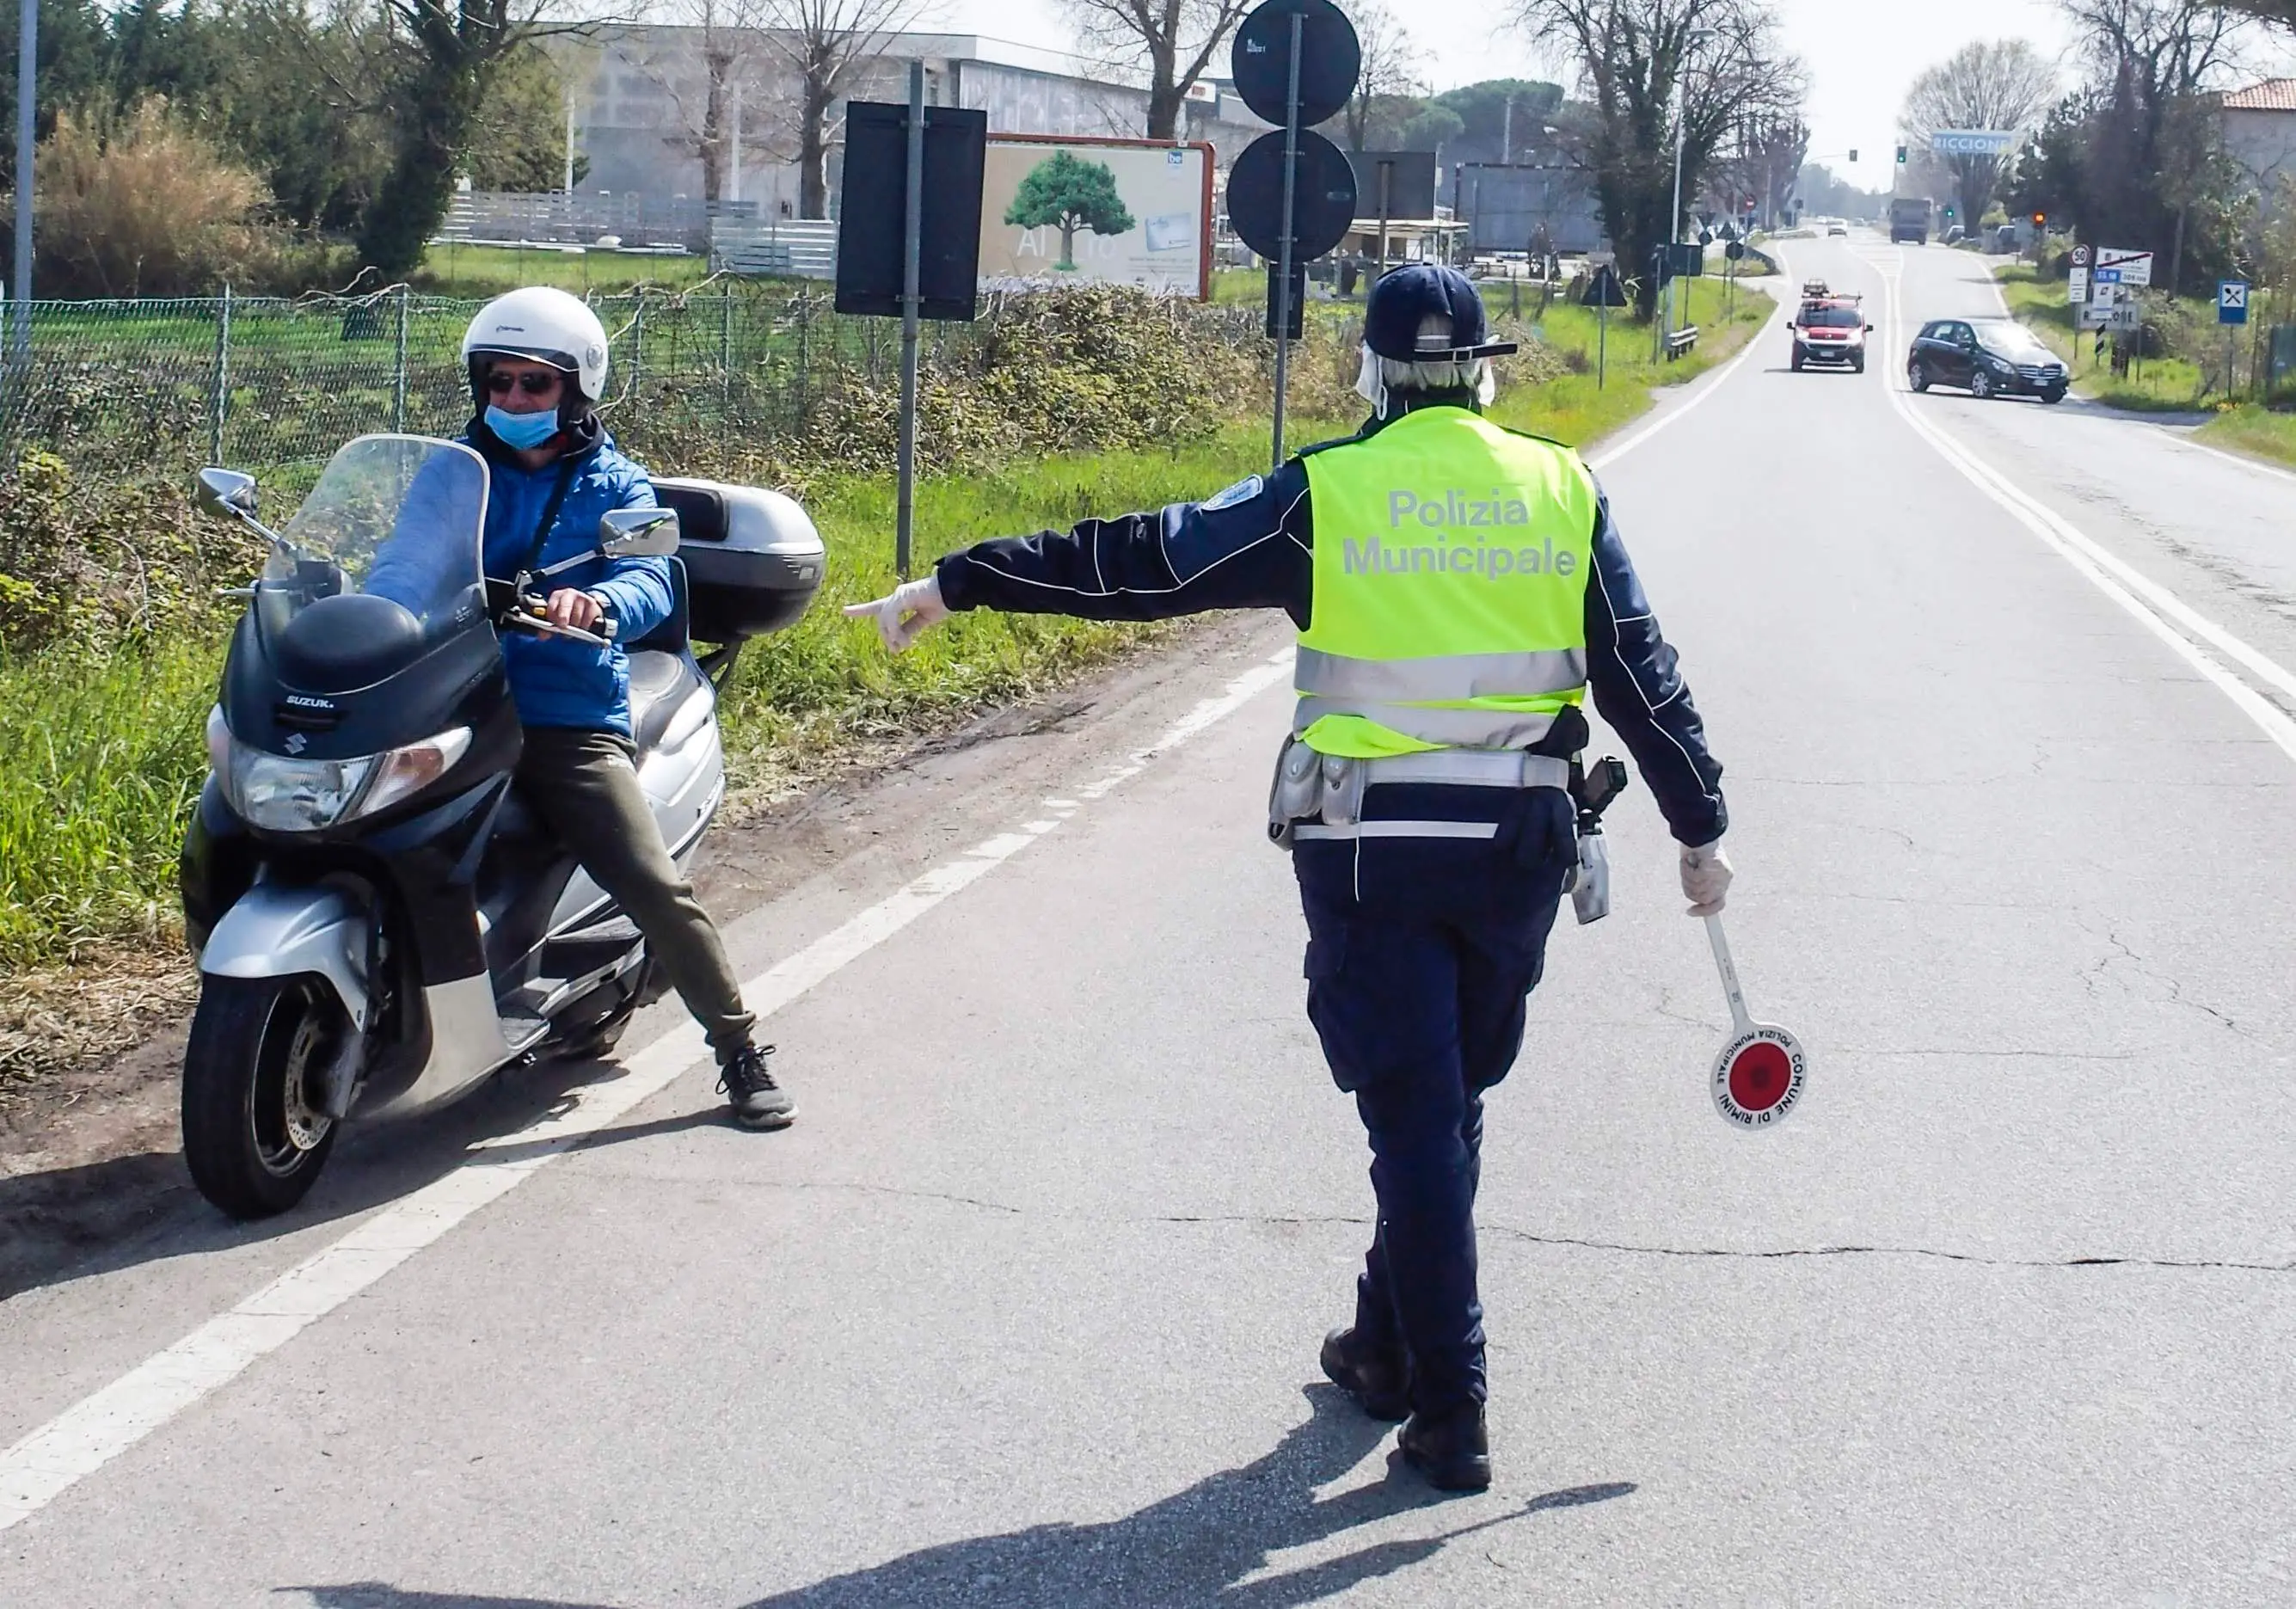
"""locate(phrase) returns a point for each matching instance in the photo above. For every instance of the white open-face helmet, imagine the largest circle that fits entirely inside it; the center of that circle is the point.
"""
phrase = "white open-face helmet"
(546, 325)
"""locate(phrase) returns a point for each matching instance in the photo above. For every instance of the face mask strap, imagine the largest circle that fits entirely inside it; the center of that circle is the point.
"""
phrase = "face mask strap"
(1369, 386)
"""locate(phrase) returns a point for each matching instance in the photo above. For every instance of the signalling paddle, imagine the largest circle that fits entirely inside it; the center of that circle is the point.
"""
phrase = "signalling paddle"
(1758, 1075)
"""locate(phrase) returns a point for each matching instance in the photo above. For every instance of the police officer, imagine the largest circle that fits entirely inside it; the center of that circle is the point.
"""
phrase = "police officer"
(1458, 589)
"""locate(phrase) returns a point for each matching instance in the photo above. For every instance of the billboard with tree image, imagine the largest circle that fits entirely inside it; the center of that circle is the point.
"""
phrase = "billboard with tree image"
(1067, 211)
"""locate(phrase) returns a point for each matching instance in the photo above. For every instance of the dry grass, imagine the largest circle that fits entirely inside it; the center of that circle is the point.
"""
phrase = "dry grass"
(142, 205)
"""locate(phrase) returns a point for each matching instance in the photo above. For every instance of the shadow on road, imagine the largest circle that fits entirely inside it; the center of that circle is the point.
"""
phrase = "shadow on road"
(71, 1223)
(1196, 1547)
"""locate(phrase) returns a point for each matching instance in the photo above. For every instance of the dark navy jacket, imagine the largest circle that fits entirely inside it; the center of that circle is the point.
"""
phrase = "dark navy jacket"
(1252, 547)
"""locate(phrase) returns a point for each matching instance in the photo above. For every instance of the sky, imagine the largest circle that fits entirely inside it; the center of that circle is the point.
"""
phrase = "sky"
(1863, 54)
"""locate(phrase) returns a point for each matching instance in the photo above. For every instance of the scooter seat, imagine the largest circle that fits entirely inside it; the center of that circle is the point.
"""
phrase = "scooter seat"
(660, 684)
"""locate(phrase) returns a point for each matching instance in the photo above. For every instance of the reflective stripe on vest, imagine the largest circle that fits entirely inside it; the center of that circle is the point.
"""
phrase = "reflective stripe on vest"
(1451, 565)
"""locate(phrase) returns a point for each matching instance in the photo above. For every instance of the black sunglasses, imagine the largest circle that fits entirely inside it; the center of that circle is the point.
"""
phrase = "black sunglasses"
(532, 382)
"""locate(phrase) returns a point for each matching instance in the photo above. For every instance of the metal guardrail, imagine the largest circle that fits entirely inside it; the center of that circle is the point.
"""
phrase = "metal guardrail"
(806, 249)
(1681, 341)
(557, 217)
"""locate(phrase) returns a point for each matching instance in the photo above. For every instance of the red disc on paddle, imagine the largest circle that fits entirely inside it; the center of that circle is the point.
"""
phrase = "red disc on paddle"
(1758, 1078)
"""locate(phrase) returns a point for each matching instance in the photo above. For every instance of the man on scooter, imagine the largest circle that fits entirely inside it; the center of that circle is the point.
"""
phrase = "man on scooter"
(536, 359)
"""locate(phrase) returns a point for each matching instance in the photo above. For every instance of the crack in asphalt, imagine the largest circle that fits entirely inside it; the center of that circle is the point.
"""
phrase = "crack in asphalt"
(2176, 988)
(1934, 1253)
(1778, 1254)
(1533, 1237)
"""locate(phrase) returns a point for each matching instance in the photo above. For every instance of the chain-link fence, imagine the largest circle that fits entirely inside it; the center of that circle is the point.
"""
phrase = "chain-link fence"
(265, 383)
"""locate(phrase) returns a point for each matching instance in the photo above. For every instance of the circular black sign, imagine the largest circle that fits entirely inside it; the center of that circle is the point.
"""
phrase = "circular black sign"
(1323, 196)
(1330, 57)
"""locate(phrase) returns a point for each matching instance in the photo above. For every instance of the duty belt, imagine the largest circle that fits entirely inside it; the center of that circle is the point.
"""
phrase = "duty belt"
(1320, 796)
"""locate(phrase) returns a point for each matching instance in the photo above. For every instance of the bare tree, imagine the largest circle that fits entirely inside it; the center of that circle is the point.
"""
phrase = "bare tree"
(1760, 162)
(700, 67)
(826, 48)
(1175, 39)
(2004, 85)
(1722, 61)
(1390, 68)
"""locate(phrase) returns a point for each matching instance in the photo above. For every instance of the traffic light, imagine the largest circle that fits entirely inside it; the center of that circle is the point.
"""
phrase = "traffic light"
(1901, 156)
(1853, 153)
(1948, 215)
(2040, 220)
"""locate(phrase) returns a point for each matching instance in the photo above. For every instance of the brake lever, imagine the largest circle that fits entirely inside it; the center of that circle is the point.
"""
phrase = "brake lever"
(531, 613)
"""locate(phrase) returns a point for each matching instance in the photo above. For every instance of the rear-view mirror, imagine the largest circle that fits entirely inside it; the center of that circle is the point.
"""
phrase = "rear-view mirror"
(638, 533)
(227, 492)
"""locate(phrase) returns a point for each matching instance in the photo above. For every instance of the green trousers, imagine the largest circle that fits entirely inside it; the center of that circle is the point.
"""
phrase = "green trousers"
(585, 788)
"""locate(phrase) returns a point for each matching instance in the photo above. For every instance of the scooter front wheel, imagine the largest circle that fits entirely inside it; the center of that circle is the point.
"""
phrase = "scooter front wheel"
(256, 1132)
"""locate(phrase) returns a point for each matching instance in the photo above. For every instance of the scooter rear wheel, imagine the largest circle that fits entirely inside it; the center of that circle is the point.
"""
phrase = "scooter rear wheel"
(255, 1135)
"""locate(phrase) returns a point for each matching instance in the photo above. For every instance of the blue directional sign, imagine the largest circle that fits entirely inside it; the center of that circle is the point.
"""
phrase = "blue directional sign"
(2232, 301)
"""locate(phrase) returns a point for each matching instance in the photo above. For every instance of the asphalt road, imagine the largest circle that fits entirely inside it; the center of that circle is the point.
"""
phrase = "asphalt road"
(1024, 1310)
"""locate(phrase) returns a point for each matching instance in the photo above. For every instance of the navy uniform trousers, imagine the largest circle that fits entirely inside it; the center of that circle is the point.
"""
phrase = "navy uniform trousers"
(1421, 953)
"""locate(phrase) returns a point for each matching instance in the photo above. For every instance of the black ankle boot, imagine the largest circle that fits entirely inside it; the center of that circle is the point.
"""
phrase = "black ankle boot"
(1450, 1448)
(1374, 1377)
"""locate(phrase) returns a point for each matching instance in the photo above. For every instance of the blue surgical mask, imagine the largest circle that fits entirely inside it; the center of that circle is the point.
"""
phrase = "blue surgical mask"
(518, 431)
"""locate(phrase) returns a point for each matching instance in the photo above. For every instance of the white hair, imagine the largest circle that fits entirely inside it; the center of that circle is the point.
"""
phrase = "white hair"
(1382, 376)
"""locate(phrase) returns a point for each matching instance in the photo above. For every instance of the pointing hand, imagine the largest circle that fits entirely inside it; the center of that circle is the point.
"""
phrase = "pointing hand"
(902, 616)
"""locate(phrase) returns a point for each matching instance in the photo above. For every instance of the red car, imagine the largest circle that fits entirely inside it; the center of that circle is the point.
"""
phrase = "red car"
(1829, 329)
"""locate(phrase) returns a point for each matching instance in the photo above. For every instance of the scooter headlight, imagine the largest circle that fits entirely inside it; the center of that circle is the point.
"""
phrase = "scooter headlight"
(287, 795)
(282, 794)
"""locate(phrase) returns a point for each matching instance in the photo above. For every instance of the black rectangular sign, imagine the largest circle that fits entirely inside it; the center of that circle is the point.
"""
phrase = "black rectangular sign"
(872, 205)
(1410, 179)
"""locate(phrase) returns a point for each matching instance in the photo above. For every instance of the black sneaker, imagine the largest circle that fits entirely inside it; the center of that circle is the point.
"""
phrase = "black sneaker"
(758, 1102)
(1373, 1377)
(1451, 1448)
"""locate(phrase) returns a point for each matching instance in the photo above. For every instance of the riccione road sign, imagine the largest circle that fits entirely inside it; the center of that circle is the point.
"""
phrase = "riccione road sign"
(1972, 141)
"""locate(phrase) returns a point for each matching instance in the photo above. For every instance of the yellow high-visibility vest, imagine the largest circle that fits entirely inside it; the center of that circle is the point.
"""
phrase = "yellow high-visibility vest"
(1452, 559)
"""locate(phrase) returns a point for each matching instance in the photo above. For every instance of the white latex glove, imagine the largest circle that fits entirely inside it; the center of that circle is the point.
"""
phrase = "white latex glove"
(1705, 877)
(903, 615)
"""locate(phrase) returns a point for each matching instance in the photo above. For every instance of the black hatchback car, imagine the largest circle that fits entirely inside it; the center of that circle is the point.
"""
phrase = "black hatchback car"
(1985, 357)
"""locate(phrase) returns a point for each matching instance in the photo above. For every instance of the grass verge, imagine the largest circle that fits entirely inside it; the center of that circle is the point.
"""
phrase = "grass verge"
(2251, 428)
(108, 753)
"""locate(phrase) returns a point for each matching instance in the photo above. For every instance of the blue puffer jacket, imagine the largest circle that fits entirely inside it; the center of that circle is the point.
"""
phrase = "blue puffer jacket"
(555, 680)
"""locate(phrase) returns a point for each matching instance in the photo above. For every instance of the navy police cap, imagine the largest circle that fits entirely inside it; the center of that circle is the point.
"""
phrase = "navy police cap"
(1416, 293)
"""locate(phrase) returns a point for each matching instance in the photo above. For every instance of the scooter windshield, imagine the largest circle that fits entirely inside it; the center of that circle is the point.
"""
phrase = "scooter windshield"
(382, 559)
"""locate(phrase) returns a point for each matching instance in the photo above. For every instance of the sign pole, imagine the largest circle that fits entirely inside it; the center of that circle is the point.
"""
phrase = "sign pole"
(1602, 341)
(1283, 277)
(1386, 176)
(911, 265)
(28, 81)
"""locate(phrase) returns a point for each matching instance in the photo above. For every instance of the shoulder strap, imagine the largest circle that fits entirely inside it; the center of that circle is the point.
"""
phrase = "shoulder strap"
(549, 514)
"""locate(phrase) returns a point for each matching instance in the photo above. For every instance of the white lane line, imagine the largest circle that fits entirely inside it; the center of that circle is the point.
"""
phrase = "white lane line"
(48, 1462)
(2242, 459)
(2152, 605)
(1707, 386)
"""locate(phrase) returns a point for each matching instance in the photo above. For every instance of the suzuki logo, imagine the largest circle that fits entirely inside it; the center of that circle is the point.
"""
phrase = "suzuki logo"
(297, 743)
